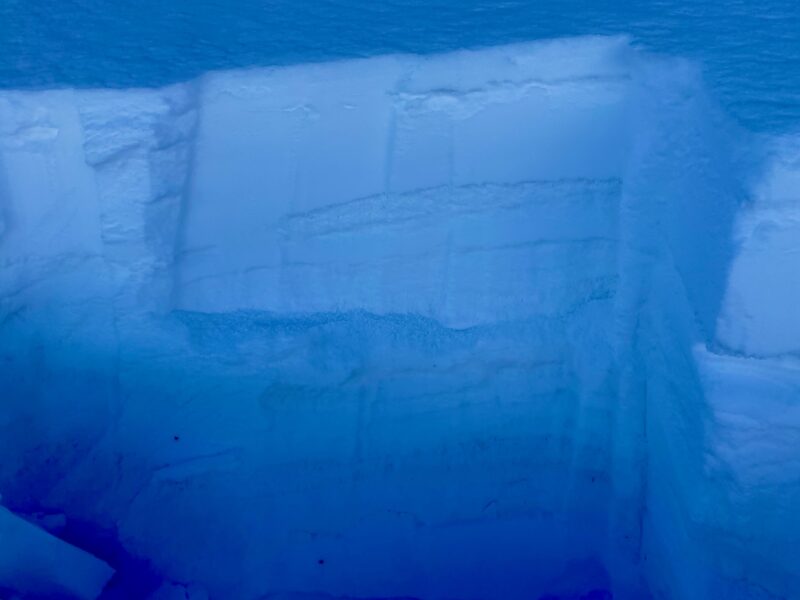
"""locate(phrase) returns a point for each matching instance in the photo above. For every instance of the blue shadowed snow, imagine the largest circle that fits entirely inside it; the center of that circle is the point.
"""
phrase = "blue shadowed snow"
(399, 300)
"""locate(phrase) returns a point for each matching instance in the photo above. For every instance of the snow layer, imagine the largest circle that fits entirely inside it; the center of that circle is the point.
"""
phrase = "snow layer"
(459, 326)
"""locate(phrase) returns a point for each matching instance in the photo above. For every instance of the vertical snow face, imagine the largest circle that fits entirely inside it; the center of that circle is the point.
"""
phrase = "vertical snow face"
(750, 383)
(92, 188)
(753, 468)
(338, 318)
(720, 373)
(407, 184)
(95, 176)
(402, 326)
(760, 316)
(138, 146)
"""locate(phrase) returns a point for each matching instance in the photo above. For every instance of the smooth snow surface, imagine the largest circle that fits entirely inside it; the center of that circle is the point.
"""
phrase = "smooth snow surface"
(510, 323)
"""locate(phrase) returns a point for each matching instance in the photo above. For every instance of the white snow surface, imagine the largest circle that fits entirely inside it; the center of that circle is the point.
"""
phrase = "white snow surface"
(458, 326)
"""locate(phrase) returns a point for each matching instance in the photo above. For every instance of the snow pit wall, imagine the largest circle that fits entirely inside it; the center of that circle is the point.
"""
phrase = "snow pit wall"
(372, 328)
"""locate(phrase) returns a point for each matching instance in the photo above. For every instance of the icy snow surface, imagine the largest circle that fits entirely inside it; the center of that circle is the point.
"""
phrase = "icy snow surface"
(518, 322)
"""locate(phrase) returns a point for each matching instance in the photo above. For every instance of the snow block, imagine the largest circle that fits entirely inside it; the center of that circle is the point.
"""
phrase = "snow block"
(33, 562)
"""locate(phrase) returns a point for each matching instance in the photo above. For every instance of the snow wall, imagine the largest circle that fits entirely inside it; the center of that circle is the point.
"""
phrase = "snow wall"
(510, 323)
